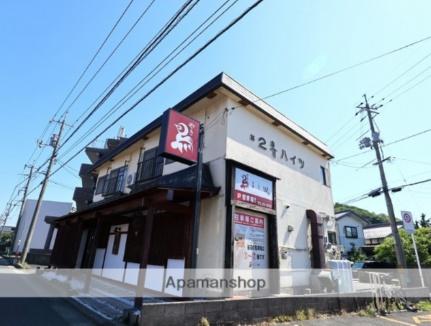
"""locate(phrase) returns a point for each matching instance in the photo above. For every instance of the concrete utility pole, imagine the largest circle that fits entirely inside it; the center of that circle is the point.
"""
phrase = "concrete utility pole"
(375, 143)
(24, 197)
(5, 217)
(55, 139)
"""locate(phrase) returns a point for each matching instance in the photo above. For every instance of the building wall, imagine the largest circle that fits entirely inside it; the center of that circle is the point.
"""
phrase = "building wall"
(346, 242)
(297, 189)
(48, 208)
(228, 136)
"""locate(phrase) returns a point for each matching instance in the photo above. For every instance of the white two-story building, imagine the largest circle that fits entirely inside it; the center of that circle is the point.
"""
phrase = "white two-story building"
(266, 195)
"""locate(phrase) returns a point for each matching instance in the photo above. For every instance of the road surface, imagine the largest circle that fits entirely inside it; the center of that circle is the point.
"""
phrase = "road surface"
(37, 311)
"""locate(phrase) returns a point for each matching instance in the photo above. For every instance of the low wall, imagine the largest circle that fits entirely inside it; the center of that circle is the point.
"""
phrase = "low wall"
(39, 257)
(232, 311)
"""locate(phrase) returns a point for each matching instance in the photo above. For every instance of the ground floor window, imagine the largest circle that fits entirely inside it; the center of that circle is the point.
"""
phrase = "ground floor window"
(332, 237)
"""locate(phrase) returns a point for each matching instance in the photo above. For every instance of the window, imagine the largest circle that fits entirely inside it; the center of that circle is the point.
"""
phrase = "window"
(367, 241)
(115, 181)
(351, 232)
(150, 165)
(332, 237)
(101, 185)
(324, 175)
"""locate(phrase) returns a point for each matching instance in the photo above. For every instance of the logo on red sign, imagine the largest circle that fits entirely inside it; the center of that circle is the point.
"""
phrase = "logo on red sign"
(179, 137)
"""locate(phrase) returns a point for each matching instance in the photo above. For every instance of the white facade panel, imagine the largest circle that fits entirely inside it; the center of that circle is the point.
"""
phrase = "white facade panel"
(47, 208)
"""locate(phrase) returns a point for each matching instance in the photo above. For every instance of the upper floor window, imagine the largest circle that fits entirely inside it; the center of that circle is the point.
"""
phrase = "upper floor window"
(100, 187)
(115, 182)
(324, 175)
(351, 232)
(150, 165)
(112, 182)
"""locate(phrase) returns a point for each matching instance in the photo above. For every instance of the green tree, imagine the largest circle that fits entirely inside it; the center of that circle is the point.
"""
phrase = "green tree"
(355, 254)
(386, 250)
(6, 239)
(372, 217)
(423, 222)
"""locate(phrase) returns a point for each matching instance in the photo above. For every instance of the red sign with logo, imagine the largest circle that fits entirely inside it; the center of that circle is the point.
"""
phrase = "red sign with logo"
(179, 139)
(253, 189)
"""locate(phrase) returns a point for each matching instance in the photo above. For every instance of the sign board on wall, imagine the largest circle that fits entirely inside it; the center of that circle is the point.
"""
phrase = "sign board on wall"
(179, 138)
(250, 241)
(408, 222)
(253, 189)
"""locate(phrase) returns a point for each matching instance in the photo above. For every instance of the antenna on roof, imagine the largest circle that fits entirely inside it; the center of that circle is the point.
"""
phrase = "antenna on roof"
(121, 133)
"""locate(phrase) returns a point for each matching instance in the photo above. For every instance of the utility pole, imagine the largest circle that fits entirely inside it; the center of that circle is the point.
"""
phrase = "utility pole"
(375, 144)
(55, 139)
(5, 217)
(24, 197)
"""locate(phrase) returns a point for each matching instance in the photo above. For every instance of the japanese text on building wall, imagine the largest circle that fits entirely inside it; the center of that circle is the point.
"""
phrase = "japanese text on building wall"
(278, 153)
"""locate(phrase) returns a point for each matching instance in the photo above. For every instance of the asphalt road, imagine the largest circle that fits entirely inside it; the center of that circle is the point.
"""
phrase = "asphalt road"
(40, 311)
(37, 311)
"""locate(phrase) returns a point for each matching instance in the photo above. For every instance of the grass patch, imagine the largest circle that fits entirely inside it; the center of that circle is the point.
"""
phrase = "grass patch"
(424, 305)
(369, 311)
(204, 322)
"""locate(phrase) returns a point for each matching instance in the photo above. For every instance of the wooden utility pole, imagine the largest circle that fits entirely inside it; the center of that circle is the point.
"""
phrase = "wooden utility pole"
(55, 139)
(375, 144)
(24, 197)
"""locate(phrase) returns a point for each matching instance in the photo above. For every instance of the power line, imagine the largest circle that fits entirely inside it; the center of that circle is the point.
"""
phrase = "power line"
(402, 74)
(386, 145)
(94, 57)
(179, 15)
(82, 75)
(339, 71)
(407, 82)
(173, 72)
(110, 55)
(407, 137)
(378, 191)
(163, 32)
(153, 72)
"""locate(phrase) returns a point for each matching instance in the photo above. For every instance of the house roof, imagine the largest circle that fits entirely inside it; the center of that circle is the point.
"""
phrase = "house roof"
(223, 81)
(377, 231)
(341, 215)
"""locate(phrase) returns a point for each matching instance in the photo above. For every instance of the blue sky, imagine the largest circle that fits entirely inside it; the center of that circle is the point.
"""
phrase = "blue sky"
(46, 45)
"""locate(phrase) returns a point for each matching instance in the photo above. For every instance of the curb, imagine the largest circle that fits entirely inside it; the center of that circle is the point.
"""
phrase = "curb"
(92, 314)
(98, 318)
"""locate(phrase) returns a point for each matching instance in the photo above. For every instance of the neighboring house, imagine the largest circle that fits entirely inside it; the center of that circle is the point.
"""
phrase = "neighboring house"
(375, 234)
(44, 233)
(6, 229)
(266, 196)
(350, 230)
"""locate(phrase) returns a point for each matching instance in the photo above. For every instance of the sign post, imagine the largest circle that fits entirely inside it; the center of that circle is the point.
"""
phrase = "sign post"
(181, 139)
(197, 205)
(410, 229)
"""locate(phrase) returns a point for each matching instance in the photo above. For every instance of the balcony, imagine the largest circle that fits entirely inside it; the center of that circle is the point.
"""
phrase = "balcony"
(149, 168)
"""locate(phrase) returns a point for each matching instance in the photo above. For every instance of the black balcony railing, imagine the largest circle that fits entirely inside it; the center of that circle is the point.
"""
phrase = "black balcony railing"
(149, 169)
(115, 182)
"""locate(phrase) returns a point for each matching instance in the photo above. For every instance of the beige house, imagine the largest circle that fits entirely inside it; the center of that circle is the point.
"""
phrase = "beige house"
(266, 196)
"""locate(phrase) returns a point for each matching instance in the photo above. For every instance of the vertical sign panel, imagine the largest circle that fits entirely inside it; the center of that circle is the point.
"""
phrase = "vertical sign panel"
(250, 241)
(409, 225)
(253, 189)
(179, 139)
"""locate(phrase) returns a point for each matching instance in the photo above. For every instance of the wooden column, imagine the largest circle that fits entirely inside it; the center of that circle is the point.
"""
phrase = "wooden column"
(145, 253)
(49, 237)
(92, 254)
